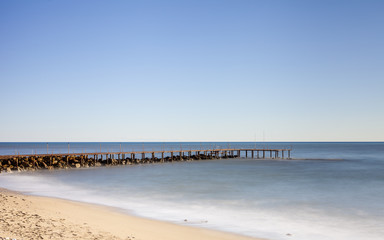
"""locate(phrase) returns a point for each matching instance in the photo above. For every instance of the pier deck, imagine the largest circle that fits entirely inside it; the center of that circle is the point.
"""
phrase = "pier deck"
(254, 153)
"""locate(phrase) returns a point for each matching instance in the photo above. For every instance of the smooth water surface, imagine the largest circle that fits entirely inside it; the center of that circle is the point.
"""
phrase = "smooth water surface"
(308, 199)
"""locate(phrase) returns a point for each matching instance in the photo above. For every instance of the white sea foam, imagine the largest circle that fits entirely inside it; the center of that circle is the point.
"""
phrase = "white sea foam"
(236, 215)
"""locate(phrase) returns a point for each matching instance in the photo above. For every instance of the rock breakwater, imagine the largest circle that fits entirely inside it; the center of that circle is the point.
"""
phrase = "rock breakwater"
(32, 163)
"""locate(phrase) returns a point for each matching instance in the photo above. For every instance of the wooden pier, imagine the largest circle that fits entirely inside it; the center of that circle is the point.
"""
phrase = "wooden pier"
(76, 160)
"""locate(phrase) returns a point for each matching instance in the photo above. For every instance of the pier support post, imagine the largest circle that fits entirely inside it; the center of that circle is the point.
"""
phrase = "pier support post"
(246, 153)
(252, 154)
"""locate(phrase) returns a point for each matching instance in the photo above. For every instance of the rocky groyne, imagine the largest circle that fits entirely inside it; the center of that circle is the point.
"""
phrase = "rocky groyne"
(33, 163)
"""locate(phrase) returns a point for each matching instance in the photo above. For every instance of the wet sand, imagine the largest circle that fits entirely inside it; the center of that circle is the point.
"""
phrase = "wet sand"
(32, 217)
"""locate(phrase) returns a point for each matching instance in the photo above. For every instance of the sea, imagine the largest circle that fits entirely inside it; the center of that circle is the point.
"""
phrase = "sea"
(327, 191)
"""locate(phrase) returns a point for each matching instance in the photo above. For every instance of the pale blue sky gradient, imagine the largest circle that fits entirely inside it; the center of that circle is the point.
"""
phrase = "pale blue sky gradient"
(192, 70)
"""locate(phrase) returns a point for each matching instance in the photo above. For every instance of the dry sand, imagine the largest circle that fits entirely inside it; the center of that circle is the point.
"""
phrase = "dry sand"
(31, 217)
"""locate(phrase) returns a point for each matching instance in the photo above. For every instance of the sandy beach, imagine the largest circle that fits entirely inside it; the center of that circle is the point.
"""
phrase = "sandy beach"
(32, 217)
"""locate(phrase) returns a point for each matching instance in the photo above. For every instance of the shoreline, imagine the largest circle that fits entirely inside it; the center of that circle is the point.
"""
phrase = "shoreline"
(36, 217)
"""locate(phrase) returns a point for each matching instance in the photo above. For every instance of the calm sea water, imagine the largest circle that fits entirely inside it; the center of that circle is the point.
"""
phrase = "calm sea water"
(274, 199)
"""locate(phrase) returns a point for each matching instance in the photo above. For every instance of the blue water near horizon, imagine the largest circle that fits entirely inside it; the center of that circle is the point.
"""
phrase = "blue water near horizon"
(308, 199)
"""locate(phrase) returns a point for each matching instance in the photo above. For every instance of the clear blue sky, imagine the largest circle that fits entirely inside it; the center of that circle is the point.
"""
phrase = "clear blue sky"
(192, 70)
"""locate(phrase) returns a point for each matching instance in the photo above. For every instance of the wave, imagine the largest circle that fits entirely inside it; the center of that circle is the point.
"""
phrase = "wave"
(236, 215)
